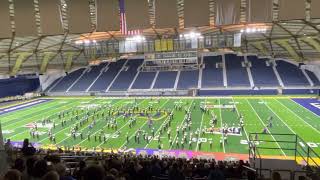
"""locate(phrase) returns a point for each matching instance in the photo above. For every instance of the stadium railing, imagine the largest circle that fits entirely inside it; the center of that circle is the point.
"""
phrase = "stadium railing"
(290, 143)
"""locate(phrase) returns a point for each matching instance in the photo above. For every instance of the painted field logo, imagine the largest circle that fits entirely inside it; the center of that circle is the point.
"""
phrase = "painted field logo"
(317, 105)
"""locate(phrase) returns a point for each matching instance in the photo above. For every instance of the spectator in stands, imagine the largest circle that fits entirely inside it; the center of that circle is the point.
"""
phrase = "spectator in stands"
(9, 150)
(155, 168)
(12, 174)
(27, 148)
(131, 167)
(40, 168)
(78, 173)
(29, 167)
(51, 175)
(94, 172)
(175, 173)
(19, 165)
(276, 176)
(61, 170)
(215, 173)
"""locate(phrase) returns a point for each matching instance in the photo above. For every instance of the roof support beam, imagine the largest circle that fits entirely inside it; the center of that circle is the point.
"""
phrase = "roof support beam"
(285, 45)
(26, 43)
(312, 42)
(19, 61)
(295, 39)
(311, 25)
(47, 56)
(260, 46)
(70, 56)
(2, 55)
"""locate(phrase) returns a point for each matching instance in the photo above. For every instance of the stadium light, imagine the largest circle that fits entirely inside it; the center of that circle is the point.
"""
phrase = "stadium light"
(191, 35)
(86, 41)
(253, 30)
(79, 42)
(137, 38)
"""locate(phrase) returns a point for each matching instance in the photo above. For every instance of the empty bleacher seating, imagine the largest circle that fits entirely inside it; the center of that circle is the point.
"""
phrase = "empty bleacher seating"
(18, 86)
(236, 74)
(313, 78)
(126, 76)
(211, 75)
(67, 81)
(53, 84)
(144, 80)
(106, 77)
(262, 74)
(122, 76)
(165, 80)
(188, 79)
(84, 82)
(291, 74)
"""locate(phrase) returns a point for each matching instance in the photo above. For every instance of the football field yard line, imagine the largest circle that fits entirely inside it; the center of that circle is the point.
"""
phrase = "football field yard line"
(244, 129)
(200, 132)
(266, 127)
(28, 120)
(120, 127)
(298, 116)
(27, 111)
(101, 120)
(47, 110)
(287, 117)
(31, 122)
(175, 137)
(157, 132)
(307, 135)
(266, 104)
(305, 108)
(63, 129)
(224, 149)
(140, 127)
(71, 106)
(81, 129)
(116, 143)
(143, 102)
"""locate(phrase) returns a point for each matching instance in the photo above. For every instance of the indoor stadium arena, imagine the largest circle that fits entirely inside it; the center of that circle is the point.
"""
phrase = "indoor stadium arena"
(159, 89)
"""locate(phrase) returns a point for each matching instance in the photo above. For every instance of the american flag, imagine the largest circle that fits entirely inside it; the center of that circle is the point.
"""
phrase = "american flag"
(123, 22)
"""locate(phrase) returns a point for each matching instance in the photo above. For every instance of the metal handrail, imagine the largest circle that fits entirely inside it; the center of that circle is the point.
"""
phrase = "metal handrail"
(305, 152)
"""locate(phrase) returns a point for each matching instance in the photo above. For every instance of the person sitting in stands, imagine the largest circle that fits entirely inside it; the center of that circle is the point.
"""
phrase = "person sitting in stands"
(27, 148)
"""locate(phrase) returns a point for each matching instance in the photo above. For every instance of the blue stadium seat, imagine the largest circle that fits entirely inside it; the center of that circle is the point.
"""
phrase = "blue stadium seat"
(313, 78)
(236, 74)
(67, 81)
(18, 86)
(52, 84)
(86, 80)
(106, 77)
(188, 79)
(144, 80)
(262, 74)
(211, 75)
(165, 80)
(126, 77)
(291, 74)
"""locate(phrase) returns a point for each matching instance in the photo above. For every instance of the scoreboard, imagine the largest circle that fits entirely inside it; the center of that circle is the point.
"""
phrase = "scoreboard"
(184, 56)
(171, 61)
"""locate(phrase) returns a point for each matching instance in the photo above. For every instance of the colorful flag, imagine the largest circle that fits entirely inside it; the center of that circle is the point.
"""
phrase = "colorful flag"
(123, 22)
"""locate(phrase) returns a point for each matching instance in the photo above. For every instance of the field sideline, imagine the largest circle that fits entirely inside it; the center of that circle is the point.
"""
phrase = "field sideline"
(288, 117)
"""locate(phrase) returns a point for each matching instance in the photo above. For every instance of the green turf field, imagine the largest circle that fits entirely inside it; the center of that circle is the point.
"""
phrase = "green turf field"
(287, 118)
